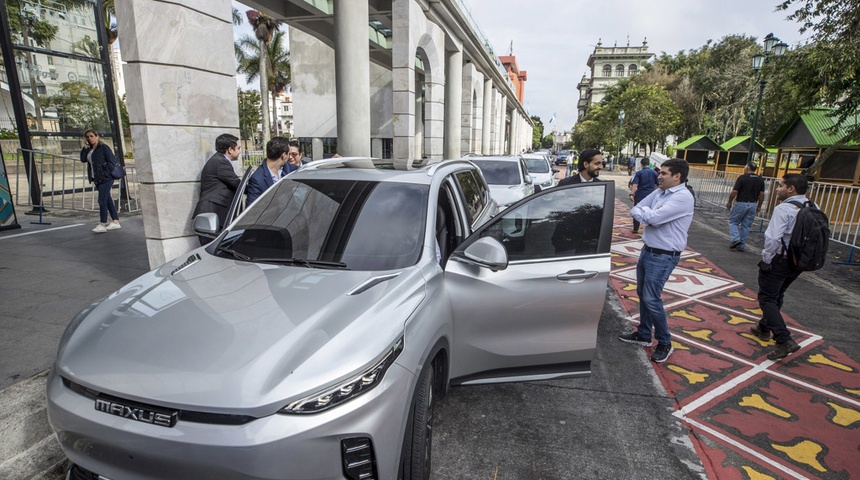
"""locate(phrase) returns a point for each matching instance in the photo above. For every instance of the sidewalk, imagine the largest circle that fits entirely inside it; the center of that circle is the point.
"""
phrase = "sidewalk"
(750, 417)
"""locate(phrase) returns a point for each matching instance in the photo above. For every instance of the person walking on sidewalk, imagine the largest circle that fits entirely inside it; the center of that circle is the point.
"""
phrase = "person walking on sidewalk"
(747, 196)
(643, 183)
(775, 274)
(100, 161)
(668, 213)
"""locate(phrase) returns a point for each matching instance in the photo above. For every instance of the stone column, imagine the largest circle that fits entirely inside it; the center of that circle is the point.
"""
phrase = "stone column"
(513, 145)
(503, 115)
(486, 120)
(180, 98)
(453, 103)
(352, 77)
(316, 152)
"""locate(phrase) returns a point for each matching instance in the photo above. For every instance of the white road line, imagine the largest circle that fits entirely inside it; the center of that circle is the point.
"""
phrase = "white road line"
(752, 452)
(40, 231)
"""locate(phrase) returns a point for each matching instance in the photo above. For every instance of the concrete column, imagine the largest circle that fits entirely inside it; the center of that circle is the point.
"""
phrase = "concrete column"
(403, 82)
(453, 103)
(513, 145)
(486, 120)
(376, 147)
(352, 77)
(503, 115)
(180, 98)
(316, 152)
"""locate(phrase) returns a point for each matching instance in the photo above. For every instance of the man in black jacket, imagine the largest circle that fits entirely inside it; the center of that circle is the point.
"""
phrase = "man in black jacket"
(589, 165)
(218, 182)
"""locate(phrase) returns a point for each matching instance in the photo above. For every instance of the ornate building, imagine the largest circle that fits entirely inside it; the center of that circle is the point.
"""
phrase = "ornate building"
(608, 65)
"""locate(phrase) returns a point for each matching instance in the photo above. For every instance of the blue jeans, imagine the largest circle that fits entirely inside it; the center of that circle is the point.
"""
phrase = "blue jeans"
(106, 202)
(652, 271)
(742, 215)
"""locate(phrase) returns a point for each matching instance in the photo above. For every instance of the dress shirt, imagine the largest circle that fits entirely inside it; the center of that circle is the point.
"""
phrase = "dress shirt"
(668, 214)
(780, 227)
(583, 180)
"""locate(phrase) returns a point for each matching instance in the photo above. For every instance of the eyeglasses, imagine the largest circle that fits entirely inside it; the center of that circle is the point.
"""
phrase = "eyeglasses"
(294, 154)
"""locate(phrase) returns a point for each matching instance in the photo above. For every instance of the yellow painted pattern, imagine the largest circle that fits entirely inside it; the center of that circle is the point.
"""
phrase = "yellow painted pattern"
(756, 401)
(692, 377)
(736, 320)
(684, 314)
(679, 346)
(741, 296)
(852, 391)
(804, 452)
(629, 287)
(618, 264)
(703, 334)
(761, 342)
(756, 475)
(705, 270)
(844, 416)
(693, 260)
(821, 359)
(754, 311)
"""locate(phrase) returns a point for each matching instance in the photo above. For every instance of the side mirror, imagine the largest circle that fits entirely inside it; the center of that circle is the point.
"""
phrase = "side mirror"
(206, 225)
(486, 252)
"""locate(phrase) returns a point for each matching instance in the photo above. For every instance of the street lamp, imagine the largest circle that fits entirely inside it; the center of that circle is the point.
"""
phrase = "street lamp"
(620, 124)
(772, 46)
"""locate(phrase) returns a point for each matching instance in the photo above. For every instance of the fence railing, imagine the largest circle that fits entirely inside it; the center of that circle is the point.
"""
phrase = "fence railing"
(65, 184)
(841, 203)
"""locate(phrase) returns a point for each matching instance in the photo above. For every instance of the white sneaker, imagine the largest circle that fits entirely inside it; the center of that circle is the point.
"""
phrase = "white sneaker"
(100, 229)
(113, 226)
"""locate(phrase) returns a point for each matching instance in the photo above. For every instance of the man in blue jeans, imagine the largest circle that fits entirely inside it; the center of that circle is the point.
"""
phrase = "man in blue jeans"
(668, 213)
(747, 195)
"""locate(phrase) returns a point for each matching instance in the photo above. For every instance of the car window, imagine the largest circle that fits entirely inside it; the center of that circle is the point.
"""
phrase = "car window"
(536, 165)
(364, 225)
(472, 196)
(500, 172)
(558, 223)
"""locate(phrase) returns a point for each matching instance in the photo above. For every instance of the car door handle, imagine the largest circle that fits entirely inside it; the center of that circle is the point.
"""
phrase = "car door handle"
(576, 275)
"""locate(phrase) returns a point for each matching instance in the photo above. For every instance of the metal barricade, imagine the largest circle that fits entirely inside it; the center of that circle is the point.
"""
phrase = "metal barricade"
(65, 184)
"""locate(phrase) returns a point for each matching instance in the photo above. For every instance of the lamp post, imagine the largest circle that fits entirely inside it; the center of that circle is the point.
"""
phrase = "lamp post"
(772, 46)
(620, 125)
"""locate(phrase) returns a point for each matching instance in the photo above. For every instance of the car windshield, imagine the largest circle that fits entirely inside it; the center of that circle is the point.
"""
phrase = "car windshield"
(357, 225)
(500, 172)
(536, 165)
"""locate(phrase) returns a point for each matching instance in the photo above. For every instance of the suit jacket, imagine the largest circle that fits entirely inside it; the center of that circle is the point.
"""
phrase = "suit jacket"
(218, 184)
(261, 180)
(574, 178)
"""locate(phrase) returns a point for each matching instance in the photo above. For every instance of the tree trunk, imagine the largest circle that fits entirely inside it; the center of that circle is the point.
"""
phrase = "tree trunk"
(264, 90)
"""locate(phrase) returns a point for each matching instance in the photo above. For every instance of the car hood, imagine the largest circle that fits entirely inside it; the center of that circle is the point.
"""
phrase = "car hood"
(220, 335)
(505, 195)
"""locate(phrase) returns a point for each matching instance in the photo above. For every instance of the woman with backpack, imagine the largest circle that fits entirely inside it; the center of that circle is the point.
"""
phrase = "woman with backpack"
(100, 162)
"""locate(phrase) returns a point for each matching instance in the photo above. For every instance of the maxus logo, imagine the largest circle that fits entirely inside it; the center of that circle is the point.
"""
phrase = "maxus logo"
(145, 415)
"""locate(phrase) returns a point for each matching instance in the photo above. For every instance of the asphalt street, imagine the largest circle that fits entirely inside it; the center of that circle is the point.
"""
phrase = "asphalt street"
(618, 423)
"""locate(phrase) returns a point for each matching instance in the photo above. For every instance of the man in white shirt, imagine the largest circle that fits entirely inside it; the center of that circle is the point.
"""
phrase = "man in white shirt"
(775, 274)
(668, 213)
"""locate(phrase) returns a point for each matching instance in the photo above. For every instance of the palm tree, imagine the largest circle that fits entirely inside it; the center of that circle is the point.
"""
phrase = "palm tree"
(264, 28)
(278, 65)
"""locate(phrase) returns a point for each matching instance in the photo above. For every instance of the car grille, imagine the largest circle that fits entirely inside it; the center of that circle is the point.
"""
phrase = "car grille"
(184, 415)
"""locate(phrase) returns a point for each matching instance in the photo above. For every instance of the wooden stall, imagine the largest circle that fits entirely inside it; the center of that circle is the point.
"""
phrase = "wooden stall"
(700, 151)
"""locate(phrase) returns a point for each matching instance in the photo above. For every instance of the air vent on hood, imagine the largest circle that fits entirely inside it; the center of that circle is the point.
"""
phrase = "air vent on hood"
(372, 282)
(190, 261)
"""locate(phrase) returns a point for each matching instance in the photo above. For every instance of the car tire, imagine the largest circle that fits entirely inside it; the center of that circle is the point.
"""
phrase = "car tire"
(416, 458)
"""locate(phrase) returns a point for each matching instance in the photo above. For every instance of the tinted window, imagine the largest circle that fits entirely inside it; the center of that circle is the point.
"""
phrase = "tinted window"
(500, 172)
(471, 195)
(365, 225)
(536, 165)
(560, 223)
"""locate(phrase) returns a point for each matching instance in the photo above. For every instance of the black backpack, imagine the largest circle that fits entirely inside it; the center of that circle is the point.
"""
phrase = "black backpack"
(807, 248)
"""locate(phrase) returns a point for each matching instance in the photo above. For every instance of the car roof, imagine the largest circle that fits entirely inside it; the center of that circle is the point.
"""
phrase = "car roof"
(377, 170)
(509, 158)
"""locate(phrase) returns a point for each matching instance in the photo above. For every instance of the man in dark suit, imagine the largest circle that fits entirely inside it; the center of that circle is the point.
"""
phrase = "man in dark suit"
(589, 165)
(218, 181)
(277, 165)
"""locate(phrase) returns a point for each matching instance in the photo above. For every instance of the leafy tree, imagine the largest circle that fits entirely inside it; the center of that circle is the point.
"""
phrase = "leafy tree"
(537, 132)
(249, 113)
(80, 106)
(278, 58)
(264, 28)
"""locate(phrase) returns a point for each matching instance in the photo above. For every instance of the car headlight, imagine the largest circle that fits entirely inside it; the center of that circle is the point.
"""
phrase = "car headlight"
(346, 391)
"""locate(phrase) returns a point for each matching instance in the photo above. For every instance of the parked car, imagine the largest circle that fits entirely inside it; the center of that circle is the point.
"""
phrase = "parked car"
(561, 157)
(314, 335)
(508, 177)
(540, 169)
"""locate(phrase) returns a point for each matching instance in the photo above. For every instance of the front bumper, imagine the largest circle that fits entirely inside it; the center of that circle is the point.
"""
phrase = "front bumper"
(274, 447)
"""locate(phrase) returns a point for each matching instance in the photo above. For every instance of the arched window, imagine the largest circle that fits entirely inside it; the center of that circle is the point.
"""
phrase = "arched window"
(631, 70)
(607, 71)
(619, 70)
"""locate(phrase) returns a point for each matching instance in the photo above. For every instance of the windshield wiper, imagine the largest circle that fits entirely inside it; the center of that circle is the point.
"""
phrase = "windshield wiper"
(301, 262)
(234, 253)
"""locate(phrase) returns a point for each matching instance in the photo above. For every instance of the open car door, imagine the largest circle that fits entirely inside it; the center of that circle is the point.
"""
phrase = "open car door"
(237, 206)
(535, 318)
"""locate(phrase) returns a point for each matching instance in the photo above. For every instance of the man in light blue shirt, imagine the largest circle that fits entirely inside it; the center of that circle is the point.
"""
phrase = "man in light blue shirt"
(667, 212)
(775, 274)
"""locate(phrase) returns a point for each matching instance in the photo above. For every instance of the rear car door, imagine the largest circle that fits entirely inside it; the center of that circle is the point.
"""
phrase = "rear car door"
(537, 318)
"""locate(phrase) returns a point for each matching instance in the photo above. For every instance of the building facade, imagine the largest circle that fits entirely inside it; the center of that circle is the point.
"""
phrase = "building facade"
(608, 65)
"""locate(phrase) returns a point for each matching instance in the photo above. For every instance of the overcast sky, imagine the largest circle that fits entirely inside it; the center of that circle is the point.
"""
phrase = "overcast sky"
(552, 39)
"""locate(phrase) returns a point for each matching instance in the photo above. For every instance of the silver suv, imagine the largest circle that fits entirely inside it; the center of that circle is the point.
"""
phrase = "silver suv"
(313, 336)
